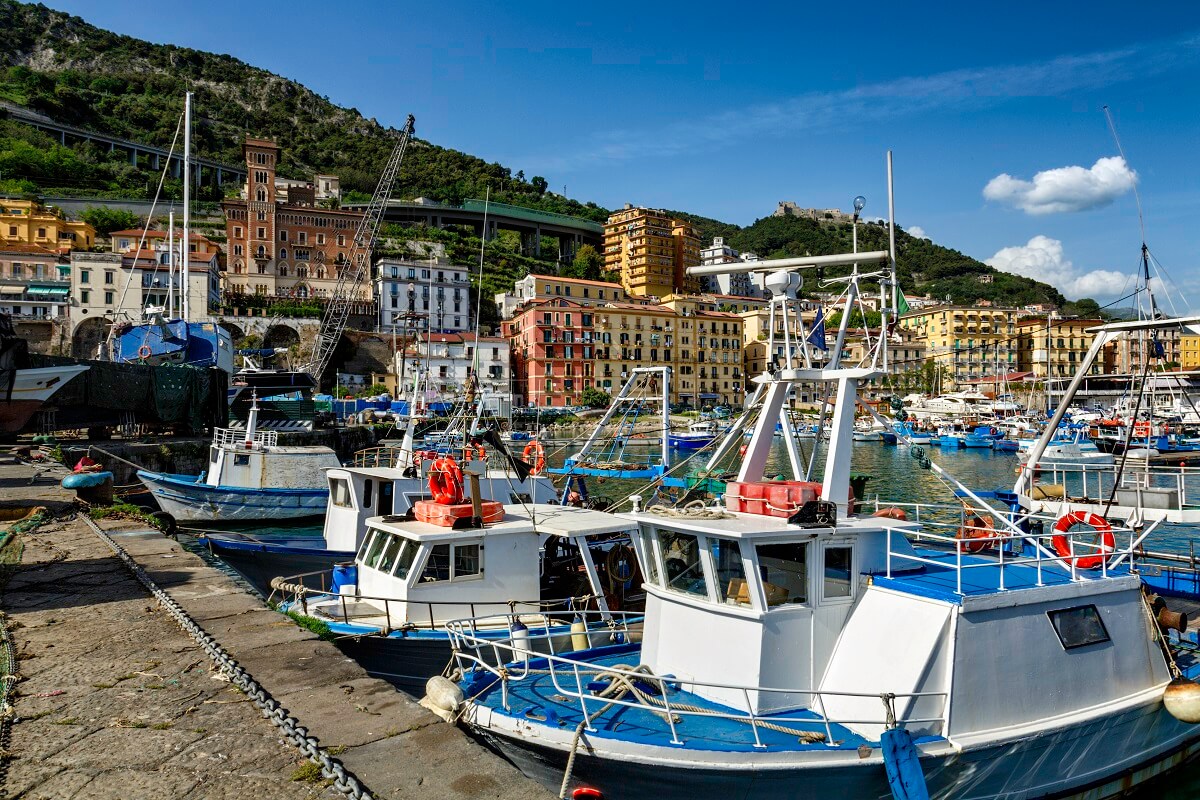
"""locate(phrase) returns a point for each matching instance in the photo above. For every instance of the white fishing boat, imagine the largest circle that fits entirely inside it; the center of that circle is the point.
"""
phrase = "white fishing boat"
(28, 391)
(793, 650)
(250, 476)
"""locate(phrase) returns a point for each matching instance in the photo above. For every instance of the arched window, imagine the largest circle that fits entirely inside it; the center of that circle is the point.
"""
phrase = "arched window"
(321, 273)
(302, 291)
(261, 195)
(262, 251)
(302, 271)
(237, 266)
(283, 252)
(283, 270)
(320, 256)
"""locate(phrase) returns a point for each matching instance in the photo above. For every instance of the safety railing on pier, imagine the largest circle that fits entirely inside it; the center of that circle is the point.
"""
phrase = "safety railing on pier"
(588, 684)
(230, 437)
(311, 594)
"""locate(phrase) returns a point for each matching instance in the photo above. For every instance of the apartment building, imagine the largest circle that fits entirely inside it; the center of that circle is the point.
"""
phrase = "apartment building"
(1189, 351)
(120, 287)
(127, 240)
(34, 281)
(972, 342)
(1056, 347)
(30, 222)
(651, 251)
(432, 288)
(534, 288)
(740, 284)
(447, 360)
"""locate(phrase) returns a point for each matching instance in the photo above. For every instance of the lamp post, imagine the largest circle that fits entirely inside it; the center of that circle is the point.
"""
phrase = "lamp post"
(859, 203)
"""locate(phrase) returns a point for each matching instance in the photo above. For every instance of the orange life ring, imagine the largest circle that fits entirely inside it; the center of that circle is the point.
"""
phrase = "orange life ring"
(446, 481)
(1141, 429)
(1062, 544)
(538, 452)
(975, 532)
(891, 513)
(144, 351)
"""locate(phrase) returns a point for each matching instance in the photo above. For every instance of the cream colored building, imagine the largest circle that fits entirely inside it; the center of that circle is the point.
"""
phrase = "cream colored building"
(972, 342)
(30, 222)
(1055, 347)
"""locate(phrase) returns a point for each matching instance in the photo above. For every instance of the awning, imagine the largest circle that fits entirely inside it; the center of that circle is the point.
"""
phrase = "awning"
(709, 396)
(12, 290)
(62, 290)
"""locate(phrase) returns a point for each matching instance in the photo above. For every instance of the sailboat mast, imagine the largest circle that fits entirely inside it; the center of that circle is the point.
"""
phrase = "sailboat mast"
(187, 202)
(891, 257)
(171, 264)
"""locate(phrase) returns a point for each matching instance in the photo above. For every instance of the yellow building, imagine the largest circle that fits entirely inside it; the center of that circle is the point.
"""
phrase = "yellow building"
(651, 251)
(1056, 348)
(1189, 351)
(971, 342)
(29, 222)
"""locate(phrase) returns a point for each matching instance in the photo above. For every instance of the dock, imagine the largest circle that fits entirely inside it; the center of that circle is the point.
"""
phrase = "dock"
(115, 698)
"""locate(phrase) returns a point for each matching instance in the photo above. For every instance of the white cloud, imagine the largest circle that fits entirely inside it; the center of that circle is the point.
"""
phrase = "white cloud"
(1043, 259)
(1054, 191)
(917, 231)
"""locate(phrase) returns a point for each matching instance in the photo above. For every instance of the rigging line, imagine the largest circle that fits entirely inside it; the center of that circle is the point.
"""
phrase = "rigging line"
(137, 253)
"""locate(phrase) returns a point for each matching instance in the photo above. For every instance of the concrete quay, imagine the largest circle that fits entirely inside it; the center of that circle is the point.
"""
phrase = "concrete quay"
(115, 700)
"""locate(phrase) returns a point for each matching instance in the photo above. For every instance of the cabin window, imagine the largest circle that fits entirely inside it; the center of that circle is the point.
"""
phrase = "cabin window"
(650, 561)
(365, 547)
(837, 572)
(731, 574)
(339, 491)
(241, 459)
(387, 559)
(405, 561)
(213, 455)
(681, 562)
(368, 486)
(452, 562)
(381, 540)
(1078, 626)
(784, 569)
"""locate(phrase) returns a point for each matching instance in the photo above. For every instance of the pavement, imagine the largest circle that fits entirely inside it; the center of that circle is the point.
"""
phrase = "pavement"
(116, 701)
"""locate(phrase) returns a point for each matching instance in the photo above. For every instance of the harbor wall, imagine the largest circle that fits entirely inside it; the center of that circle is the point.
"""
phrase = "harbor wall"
(190, 456)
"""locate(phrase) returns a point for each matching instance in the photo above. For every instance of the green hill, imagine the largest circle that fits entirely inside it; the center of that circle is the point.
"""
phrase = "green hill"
(74, 72)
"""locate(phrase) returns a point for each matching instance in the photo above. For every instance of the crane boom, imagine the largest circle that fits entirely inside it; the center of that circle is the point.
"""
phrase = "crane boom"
(352, 274)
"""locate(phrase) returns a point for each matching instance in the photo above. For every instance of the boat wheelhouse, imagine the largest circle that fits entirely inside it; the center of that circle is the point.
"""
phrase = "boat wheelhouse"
(541, 563)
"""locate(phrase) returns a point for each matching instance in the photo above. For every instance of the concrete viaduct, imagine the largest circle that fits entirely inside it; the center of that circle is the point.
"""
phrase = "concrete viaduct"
(531, 224)
(216, 172)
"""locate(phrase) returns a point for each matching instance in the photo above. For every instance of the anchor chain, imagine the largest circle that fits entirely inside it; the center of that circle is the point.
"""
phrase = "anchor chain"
(343, 779)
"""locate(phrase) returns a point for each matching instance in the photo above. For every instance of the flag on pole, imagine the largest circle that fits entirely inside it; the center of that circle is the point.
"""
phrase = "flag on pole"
(817, 337)
(901, 303)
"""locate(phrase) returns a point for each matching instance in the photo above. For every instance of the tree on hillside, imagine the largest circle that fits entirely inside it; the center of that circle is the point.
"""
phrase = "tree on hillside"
(107, 220)
(539, 184)
(587, 265)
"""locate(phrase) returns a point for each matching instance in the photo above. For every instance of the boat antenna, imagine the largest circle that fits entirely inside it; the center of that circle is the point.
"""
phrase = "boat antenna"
(1137, 197)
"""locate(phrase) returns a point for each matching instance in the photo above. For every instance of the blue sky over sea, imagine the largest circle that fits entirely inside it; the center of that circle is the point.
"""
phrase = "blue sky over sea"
(994, 111)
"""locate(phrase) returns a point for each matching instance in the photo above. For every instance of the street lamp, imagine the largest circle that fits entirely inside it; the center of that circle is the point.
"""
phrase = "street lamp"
(859, 202)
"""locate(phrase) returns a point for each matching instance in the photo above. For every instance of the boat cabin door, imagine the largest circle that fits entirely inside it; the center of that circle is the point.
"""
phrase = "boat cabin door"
(385, 498)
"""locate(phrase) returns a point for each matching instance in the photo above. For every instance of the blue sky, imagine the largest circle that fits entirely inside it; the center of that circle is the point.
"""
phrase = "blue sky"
(724, 109)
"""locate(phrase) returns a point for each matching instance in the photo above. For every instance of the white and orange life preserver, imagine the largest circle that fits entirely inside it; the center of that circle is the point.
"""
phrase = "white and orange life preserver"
(1141, 429)
(144, 351)
(535, 449)
(1062, 543)
(975, 532)
(446, 481)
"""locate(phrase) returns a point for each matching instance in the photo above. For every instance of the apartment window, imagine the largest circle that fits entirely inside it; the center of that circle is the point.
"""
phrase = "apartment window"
(341, 240)
(12, 230)
(85, 296)
(85, 276)
(303, 237)
(282, 252)
(108, 298)
(320, 238)
(41, 233)
(237, 249)
(282, 235)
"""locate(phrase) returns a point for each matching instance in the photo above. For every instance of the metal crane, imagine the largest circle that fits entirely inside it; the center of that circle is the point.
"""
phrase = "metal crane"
(353, 273)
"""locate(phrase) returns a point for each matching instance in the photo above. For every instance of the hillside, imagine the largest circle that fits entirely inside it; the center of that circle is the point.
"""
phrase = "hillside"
(61, 66)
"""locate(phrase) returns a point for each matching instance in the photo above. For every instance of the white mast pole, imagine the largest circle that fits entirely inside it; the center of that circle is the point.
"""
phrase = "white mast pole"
(187, 201)
(895, 306)
(170, 264)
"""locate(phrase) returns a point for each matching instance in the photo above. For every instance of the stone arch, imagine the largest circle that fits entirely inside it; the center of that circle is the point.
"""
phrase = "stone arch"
(88, 336)
(281, 336)
(235, 332)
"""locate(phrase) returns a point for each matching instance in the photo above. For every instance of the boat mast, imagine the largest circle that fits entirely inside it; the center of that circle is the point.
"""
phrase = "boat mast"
(171, 263)
(187, 201)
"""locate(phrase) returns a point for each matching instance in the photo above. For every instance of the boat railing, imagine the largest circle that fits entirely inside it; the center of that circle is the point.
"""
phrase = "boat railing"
(310, 590)
(594, 686)
(1095, 481)
(232, 437)
(399, 458)
(1010, 548)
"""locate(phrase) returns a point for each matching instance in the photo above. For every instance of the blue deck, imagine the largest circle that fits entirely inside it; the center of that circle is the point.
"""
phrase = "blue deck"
(980, 576)
(537, 701)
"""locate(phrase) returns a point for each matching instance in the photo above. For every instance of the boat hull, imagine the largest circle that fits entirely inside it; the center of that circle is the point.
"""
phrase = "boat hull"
(685, 442)
(259, 562)
(1096, 760)
(31, 389)
(188, 501)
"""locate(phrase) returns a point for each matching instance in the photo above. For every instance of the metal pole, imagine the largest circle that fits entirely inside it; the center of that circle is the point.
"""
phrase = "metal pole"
(187, 198)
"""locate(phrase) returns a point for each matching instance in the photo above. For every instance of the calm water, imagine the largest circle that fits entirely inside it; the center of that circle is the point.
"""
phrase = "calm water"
(896, 476)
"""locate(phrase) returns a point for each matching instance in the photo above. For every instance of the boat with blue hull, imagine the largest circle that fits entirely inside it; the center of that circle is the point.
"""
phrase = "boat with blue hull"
(410, 577)
(792, 648)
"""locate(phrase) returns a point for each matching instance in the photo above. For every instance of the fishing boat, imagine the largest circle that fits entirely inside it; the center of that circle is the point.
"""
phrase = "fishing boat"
(546, 564)
(794, 649)
(698, 436)
(24, 389)
(250, 476)
(379, 483)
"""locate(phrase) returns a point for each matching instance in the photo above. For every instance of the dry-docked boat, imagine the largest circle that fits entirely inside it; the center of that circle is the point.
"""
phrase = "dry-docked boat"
(792, 649)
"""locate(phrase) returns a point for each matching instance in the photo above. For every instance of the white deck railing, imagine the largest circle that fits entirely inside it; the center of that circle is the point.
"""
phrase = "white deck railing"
(1096, 481)
(573, 679)
(1002, 536)
(231, 437)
